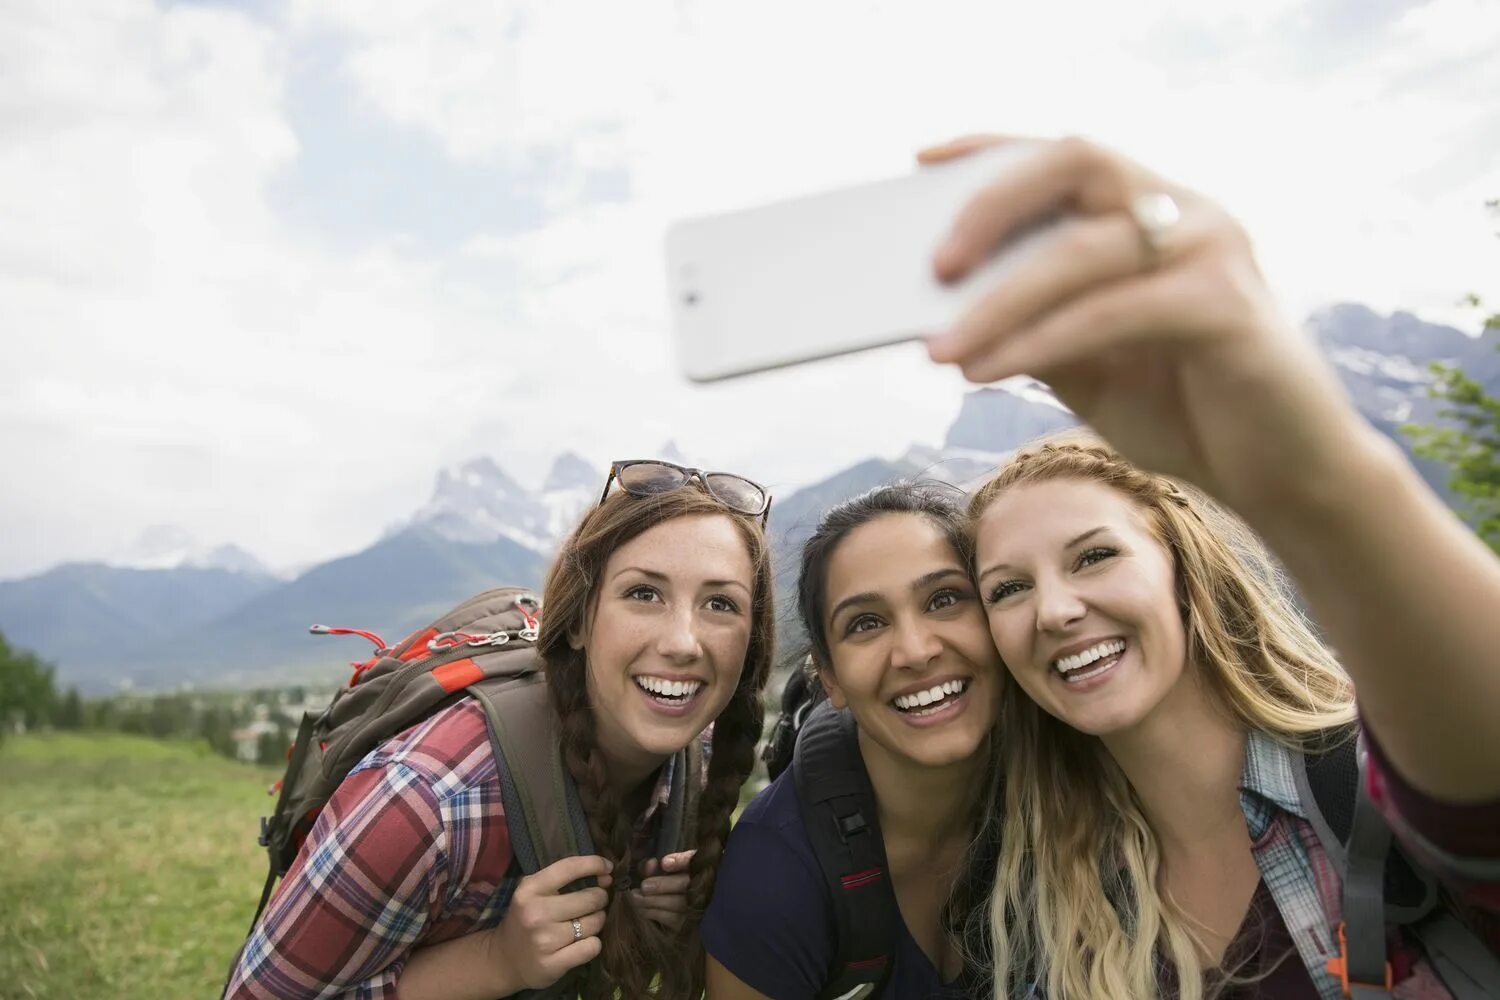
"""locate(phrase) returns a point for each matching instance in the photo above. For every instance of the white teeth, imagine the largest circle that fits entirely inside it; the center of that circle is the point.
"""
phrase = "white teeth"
(663, 688)
(934, 695)
(1068, 664)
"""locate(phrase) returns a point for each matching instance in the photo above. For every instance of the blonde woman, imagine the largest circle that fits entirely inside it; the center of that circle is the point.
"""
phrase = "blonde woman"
(1153, 837)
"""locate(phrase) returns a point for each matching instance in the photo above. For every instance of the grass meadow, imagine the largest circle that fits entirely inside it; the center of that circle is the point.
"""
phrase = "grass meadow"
(128, 866)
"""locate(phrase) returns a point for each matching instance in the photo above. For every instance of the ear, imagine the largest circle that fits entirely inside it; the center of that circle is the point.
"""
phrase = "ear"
(831, 688)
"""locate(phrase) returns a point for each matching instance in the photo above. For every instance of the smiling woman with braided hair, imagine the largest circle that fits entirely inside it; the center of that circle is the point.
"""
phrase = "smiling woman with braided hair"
(657, 634)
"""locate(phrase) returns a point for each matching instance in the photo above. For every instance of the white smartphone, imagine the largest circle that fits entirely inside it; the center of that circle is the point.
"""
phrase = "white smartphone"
(828, 274)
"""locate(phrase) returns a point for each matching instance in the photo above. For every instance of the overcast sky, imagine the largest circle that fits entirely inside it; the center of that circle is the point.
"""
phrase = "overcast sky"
(266, 266)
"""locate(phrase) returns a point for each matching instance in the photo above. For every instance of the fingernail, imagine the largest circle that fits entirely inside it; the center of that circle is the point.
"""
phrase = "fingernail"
(939, 345)
(949, 256)
(649, 886)
(609, 865)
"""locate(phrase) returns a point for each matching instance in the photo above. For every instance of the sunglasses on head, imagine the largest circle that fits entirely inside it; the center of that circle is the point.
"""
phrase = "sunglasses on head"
(644, 477)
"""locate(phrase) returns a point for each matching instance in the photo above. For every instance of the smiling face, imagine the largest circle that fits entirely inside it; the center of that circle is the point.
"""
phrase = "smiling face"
(667, 636)
(1082, 602)
(911, 657)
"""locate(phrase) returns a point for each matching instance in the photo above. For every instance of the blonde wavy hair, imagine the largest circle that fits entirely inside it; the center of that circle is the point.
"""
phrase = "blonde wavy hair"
(1076, 909)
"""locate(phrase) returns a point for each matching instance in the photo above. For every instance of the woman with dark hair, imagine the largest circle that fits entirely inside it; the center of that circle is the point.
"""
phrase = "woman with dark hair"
(658, 626)
(899, 643)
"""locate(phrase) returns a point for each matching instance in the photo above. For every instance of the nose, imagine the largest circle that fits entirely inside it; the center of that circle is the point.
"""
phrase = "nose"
(1058, 606)
(678, 639)
(915, 646)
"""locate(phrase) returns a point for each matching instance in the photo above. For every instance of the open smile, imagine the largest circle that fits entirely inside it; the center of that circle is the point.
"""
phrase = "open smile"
(933, 704)
(1090, 667)
(669, 696)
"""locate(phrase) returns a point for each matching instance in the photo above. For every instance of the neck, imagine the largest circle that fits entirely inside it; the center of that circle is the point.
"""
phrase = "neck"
(1184, 761)
(631, 774)
(919, 802)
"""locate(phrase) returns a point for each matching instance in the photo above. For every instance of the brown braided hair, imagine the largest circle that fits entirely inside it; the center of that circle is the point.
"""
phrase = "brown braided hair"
(641, 957)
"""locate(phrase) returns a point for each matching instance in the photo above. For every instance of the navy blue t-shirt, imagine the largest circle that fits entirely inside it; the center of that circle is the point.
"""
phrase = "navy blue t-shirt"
(771, 920)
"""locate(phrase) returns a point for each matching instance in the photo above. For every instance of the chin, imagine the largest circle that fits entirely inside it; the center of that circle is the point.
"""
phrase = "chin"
(1104, 722)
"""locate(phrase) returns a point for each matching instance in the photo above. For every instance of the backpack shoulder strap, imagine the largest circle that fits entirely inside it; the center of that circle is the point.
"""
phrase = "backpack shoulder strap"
(679, 823)
(838, 810)
(542, 809)
(1382, 885)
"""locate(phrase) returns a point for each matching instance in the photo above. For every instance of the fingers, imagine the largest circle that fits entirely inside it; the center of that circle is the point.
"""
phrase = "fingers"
(1084, 252)
(569, 905)
(576, 953)
(1079, 331)
(665, 885)
(962, 146)
(562, 873)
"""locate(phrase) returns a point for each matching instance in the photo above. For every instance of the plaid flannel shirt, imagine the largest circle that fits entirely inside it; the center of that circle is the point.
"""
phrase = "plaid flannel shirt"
(411, 850)
(1308, 891)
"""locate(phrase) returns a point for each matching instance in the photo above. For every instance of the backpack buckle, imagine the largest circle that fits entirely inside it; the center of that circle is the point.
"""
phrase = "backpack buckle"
(1339, 966)
(447, 640)
(265, 831)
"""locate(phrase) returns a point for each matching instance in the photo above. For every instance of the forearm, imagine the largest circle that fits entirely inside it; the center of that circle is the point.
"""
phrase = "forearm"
(465, 968)
(1410, 600)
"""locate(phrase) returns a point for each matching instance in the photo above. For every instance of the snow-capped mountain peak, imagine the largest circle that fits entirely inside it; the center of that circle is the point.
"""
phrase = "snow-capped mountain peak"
(571, 471)
(170, 546)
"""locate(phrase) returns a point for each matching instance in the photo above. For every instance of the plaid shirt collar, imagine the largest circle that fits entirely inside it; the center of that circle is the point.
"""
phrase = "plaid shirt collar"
(660, 795)
(1267, 783)
(1292, 864)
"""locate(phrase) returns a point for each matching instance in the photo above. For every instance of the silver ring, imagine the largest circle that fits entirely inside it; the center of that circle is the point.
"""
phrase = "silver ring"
(1155, 215)
(577, 929)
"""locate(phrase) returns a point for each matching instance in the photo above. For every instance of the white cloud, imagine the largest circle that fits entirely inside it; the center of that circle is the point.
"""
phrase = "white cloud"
(188, 354)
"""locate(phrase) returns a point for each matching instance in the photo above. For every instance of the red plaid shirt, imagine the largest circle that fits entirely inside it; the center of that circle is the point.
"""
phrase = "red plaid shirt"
(411, 850)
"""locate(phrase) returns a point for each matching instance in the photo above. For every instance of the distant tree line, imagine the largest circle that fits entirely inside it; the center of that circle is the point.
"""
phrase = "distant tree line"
(254, 726)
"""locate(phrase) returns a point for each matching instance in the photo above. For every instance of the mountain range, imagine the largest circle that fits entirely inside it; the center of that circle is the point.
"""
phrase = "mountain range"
(165, 612)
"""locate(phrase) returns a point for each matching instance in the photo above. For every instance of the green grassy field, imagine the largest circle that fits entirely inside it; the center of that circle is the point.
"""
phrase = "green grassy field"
(128, 866)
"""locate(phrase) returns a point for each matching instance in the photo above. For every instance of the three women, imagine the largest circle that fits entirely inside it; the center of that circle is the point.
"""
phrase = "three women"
(1160, 682)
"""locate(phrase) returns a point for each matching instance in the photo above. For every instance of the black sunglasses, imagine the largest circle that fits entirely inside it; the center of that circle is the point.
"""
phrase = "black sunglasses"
(644, 477)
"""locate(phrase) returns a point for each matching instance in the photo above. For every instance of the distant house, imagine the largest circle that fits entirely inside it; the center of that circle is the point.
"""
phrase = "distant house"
(247, 740)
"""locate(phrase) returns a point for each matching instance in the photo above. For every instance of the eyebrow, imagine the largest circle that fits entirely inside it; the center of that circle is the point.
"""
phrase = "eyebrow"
(1072, 543)
(921, 582)
(658, 576)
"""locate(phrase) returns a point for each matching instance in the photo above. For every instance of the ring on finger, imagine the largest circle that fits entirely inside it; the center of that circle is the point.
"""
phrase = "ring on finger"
(577, 929)
(1155, 215)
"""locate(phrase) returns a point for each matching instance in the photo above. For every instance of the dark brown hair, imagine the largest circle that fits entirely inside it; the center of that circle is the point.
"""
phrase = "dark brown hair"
(638, 951)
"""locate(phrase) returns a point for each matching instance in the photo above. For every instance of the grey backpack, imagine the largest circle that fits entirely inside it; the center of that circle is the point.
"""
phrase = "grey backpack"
(483, 649)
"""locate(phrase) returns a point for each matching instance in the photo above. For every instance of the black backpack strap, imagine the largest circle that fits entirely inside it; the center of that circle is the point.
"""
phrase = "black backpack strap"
(839, 812)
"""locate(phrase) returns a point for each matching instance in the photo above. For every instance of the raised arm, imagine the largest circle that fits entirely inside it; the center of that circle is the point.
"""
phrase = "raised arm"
(1150, 319)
